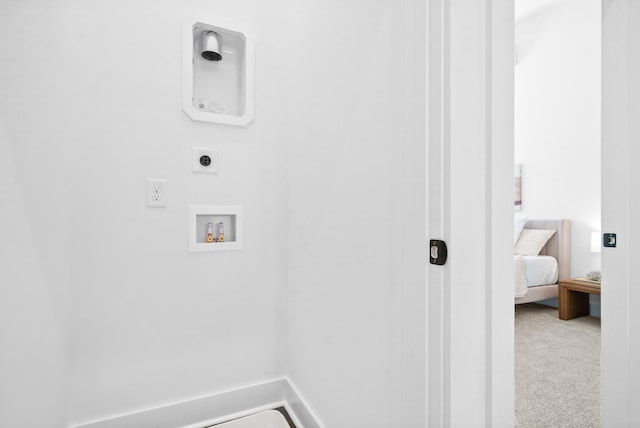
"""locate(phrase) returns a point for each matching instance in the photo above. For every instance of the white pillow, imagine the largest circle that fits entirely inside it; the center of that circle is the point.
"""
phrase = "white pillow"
(518, 224)
(531, 241)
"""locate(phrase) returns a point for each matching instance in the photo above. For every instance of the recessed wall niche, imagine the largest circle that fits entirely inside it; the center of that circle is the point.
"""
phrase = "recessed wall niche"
(218, 71)
(215, 228)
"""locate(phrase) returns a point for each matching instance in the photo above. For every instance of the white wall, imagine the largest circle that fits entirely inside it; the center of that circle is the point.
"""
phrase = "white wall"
(105, 312)
(356, 211)
(91, 107)
(153, 324)
(557, 118)
(34, 219)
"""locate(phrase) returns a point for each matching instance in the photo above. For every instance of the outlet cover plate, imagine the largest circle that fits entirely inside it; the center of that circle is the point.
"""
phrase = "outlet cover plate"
(156, 192)
(205, 160)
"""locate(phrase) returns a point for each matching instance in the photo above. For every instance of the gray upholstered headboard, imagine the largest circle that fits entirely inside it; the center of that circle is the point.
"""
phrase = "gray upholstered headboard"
(559, 245)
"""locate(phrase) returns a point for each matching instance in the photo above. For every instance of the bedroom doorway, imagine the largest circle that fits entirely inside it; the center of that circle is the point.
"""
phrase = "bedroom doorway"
(459, 100)
(557, 153)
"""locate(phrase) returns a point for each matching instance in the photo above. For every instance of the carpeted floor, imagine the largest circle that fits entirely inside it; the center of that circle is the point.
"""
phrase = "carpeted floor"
(557, 369)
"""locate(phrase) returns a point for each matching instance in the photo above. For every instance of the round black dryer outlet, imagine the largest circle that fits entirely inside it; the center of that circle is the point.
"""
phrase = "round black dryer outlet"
(205, 160)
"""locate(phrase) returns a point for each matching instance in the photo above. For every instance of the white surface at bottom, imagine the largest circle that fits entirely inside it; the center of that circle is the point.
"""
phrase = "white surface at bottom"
(268, 419)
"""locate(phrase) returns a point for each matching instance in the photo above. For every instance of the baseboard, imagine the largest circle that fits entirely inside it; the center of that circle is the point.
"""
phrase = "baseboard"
(219, 407)
(594, 309)
(303, 414)
(549, 302)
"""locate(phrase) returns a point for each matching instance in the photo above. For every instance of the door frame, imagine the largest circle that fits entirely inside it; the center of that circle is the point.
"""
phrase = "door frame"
(470, 319)
(620, 355)
(469, 192)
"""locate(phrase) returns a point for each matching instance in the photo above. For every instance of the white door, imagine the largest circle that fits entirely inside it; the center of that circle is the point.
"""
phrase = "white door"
(470, 188)
(620, 363)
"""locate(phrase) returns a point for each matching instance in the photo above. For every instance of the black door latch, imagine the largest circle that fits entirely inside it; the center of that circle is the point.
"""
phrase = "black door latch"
(609, 240)
(438, 252)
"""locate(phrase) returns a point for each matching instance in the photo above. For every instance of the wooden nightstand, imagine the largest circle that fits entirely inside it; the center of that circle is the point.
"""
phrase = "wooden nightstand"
(573, 297)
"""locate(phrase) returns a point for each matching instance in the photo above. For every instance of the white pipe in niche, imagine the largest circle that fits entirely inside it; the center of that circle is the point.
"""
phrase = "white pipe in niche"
(218, 70)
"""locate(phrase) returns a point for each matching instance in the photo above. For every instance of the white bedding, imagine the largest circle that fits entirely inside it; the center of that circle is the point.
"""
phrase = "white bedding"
(532, 271)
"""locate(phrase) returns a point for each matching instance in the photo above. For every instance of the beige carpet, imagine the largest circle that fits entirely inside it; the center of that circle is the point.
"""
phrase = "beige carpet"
(557, 369)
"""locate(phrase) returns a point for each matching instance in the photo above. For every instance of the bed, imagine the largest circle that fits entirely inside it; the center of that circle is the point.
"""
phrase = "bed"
(537, 276)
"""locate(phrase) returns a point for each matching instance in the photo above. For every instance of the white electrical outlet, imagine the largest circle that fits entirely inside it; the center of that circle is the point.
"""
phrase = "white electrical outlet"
(156, 192)
(205, 160)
